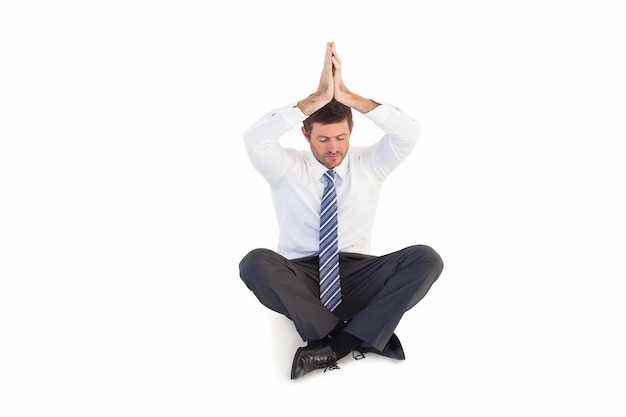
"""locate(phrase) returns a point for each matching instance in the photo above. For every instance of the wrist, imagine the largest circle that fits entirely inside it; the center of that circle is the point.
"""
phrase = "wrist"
(311, 104)
(357, 102)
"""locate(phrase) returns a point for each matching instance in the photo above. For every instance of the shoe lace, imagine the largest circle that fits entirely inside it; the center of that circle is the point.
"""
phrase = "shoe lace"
(358, 356)
(332, 367)
(331, 364)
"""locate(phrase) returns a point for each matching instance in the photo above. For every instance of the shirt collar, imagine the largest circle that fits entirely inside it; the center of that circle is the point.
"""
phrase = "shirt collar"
(340, 170)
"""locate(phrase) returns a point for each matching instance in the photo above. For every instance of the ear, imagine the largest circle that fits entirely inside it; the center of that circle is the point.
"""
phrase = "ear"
(305, 135)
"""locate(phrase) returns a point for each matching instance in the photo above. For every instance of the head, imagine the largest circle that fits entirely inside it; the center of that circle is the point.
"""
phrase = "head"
(328, 132)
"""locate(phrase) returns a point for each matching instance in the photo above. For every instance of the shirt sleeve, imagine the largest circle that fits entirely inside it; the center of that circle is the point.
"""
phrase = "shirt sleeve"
(401, 134)
(267, 155)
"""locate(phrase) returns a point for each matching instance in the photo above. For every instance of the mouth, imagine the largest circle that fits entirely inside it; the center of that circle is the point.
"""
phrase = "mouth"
(332, 159)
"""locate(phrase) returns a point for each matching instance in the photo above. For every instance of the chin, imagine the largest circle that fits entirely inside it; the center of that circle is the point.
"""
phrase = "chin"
(334, 163)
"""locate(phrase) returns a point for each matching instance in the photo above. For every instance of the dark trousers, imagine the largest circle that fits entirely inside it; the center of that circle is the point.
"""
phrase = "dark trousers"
(376, 290)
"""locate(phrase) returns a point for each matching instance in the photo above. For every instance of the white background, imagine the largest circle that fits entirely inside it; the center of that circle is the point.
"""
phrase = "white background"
(127, 202)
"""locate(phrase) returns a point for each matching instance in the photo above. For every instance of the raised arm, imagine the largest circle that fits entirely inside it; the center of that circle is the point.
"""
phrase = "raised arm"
(325, 89)
(342, 94)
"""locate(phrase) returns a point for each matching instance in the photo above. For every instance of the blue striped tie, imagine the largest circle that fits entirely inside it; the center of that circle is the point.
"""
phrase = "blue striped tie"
(330, 287)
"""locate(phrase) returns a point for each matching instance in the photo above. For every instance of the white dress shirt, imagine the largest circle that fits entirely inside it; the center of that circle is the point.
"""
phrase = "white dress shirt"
(295, 178)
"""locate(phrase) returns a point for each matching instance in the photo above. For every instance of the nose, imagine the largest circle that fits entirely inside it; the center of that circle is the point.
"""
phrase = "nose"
(333, 146)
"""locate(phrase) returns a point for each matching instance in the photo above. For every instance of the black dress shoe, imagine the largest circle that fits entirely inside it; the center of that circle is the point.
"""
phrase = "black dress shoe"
(393, 349)
(309, 358)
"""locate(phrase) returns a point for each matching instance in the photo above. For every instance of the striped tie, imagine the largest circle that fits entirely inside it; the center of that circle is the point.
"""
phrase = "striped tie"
(330, 287)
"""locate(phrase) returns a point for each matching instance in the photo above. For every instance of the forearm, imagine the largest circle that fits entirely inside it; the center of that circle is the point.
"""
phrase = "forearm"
(311, 104)
(359, 103)
(399, 126)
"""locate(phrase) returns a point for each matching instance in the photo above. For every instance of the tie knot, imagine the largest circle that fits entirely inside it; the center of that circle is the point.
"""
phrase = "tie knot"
(330, 176)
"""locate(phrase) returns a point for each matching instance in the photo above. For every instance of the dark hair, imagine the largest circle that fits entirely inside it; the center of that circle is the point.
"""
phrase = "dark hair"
(333, 112)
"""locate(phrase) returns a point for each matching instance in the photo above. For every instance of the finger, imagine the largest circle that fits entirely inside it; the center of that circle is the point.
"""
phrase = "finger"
(334, 51)
(328, 57)
(329, 48)
(336, 63)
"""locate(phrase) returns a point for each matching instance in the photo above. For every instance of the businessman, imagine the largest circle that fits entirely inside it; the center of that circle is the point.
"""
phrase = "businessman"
(322, 276)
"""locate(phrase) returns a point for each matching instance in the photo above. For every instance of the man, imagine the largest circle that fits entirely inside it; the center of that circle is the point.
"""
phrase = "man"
(333, 190)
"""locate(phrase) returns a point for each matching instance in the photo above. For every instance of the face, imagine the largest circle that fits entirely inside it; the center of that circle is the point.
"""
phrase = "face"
(329, 143)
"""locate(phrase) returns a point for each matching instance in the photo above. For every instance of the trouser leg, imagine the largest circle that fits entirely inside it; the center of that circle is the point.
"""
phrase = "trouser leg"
(377, 291)
(289, 287)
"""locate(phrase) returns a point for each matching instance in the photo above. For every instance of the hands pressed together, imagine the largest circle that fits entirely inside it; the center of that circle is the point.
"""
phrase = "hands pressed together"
(331, 86)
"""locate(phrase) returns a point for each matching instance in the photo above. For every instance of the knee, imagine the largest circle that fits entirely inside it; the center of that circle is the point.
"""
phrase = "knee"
(253, 260)
(258, 265)
(427, 256)
(253, 257)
